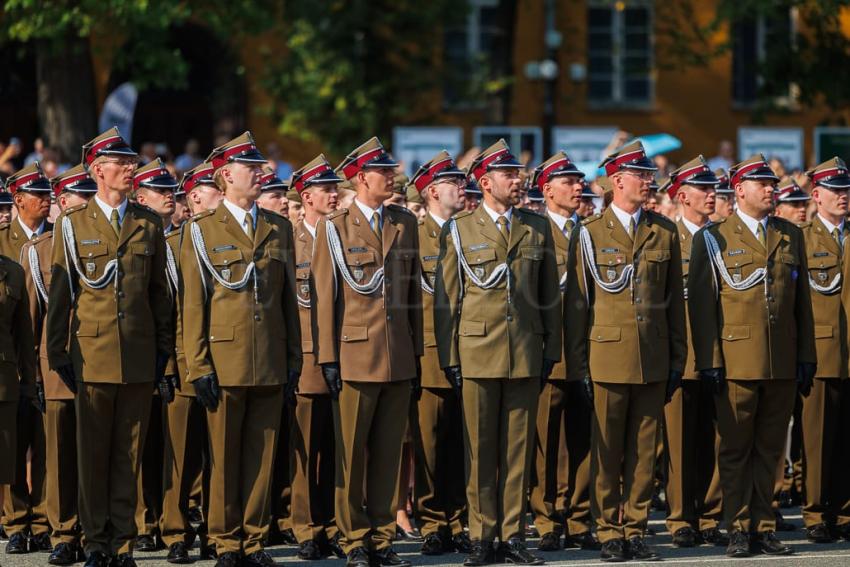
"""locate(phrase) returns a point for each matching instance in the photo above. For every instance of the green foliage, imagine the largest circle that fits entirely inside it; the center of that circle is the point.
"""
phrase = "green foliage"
(353, 69)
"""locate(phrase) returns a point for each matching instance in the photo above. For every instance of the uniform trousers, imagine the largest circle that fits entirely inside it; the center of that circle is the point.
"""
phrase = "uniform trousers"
(60, 425)
(24, 508)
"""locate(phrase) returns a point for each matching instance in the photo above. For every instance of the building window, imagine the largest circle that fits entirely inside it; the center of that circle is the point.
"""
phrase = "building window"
(751, 41)
(474, 53)
(620, 53)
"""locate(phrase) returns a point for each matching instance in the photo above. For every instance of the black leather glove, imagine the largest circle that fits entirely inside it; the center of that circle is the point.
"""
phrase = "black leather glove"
(333, 378)
(587, 390)
(66, 374)
(165, 385)
(291, 387)
(207, 391)
(805, 377)
(714, 377)
(548, 365)
(39, 402)
(455, 378)
(674, 382)
(416, 383)
(161, 363)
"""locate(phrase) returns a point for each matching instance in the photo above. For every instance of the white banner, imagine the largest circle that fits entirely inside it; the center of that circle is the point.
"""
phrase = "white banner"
(118, 111)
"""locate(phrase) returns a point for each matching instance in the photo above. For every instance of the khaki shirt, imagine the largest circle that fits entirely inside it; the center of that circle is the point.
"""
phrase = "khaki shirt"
(634, 336)
(116, 331)
(375, 337)
(498, 333)
(764, 331)
(250, 336)
(17, 348)
(311, 381)
(429, 252)
(823, 256)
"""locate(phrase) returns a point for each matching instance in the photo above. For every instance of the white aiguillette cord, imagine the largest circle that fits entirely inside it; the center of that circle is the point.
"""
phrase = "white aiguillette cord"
(110, 270)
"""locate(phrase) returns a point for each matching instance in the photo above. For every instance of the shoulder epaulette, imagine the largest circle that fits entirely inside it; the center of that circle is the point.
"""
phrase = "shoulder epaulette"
(591, 218)
(662, 220)
(806, 224)
(273, 213)
(530, 212)
(41, 237)
(337, 213)
(781, 221)
(420, 222)
(202, 215)
(400, 209)
(174, 232)
(461, 214)
(75, 208)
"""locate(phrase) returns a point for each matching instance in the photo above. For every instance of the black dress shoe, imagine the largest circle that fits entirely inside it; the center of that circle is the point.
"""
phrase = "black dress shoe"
(769, 544)
(228, 559)
(483, 553)
(714, 536)
(685, 537)
(123, 560)
(278, 537)
(333, 547)
(17, 544)
(309, 550)
(64, 554)
(389, 558)
(97, 559)
(739, 545)
(194, 515)
(461, 543)
(3, 536)
(781, 524)
(819, 533)
(178, 554)
(433, 545)
(549, 541)
(640, 551)
(357, 557)
(842, 532)
(145, 544)
(258, 559)
(614, 551)
(586, 541)
(514, 551)
(41, 542)
(405, 535)
(206, 550)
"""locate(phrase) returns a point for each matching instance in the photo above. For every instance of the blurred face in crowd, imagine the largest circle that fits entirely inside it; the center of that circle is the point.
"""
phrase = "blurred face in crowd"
(794, 211)
(417, 209)
(832, 203)
(321, 199)
(296, 212)
(651, 203)
(181, 211)
(114, 172)
(586, 208)
(755, 197)
(5, 213)
(697, 200)
(70, 199)
(396, 199)
(501, 188)
(724, 205)
(446, 196)
(274, 200)
(563, 194)
(242, 181)
(32, 207)
(160, 199)
(204, 197)
(631, 188)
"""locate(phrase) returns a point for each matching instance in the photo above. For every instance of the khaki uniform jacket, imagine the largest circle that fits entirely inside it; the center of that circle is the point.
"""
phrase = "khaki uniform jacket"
(116, 331)
(823, 256)
(562, 250)
(311, 381)
(685, 243)
(17, 348)
(177, 365)
(374, 338)
(54, 387)
(762, 332)
(13, 238)
(429, 252)
(248, 337)
(497, 334)
(630, 337)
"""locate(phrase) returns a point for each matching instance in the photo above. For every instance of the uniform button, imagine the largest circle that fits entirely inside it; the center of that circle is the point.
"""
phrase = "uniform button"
(120, 314)
(770, 298)
(389, 317)
(510, 317)
(120, 253)
(770, 263)
(120, 274)
(256, 317)
(640, 317)
(257, 257)
(637, 280)
(770, 280)
(638, 300)
(387, 281)
(121, 294)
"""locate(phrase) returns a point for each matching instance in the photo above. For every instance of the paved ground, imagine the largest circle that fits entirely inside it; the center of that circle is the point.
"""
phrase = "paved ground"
(808, 554)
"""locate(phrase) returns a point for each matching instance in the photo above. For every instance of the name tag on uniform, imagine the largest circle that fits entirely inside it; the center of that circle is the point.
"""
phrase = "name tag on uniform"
(475, 247)
(734, 252)
(358, 249)
(303, 265)
(224, 247)
(821, 254)
(89, 242)
(610, 250)
(427, 258)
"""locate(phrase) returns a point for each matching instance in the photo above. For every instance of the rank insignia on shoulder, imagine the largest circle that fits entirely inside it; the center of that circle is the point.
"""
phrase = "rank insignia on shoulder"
(475, 247)
(224, 247)
(89, 242)
(358, 249)
(735, 252)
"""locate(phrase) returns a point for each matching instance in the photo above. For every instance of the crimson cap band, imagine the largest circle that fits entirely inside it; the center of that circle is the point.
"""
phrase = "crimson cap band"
(630, 156)
(241, 149)
(76, 179)
(29, 179)
(790, 192)
(155, 176)
(556, 166)
(107, 143)
(440, 166)
(831, 174)
(201, 174)
(723, 182)
(755, 167)
(694, 172)
(317, 171)
(269, 181)
(496, 156)
(369, 154)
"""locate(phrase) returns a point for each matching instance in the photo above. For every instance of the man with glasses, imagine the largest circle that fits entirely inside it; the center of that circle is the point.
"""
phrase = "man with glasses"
(754, 343)
(500, 348)
(624, 314)
(690, 426)
(438, 446)
(109, 336)
(25, 509)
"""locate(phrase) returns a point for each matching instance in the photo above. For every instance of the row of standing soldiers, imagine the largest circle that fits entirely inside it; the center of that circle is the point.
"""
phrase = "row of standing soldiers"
(489, 330)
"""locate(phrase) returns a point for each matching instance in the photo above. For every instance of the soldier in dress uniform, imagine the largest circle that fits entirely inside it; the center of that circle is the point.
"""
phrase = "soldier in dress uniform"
(273, 192)
(368, 310)
(690, 425)
(561, 408)
(499, 261)
(25, 508)
(791, 202)
(753, 338)
(73, 187)
(437, 420)
(312, 432)
(186, 453)
(109, 336)
(242, 344)
(6, 203)
(826, 408)
(724, 197)
(625, 339)
(588, 201)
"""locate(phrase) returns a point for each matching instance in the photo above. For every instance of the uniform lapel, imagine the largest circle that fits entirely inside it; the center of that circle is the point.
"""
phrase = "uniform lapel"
(518, 229)
(232, 227)
(561, 242)
(826, 239)
(746, 235)
(685, 239)
(363, 228)
(130, 225)
(774, 237)
(643, 230)
(616, 230)
(390, 229)
(263, 230)
(101, 223)
(488, 228)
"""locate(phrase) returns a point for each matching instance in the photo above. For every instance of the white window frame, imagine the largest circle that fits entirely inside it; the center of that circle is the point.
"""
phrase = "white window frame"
(513, 135)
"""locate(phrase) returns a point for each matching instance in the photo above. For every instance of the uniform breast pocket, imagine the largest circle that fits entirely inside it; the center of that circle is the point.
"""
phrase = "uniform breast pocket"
(302, 283)
(657, 263)
(362, 265)
(822, 267)
(229, 263)
(142, 253)
(93, 259)
(429, 269)
(739, 266)
(610, 266)
(481, 262)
